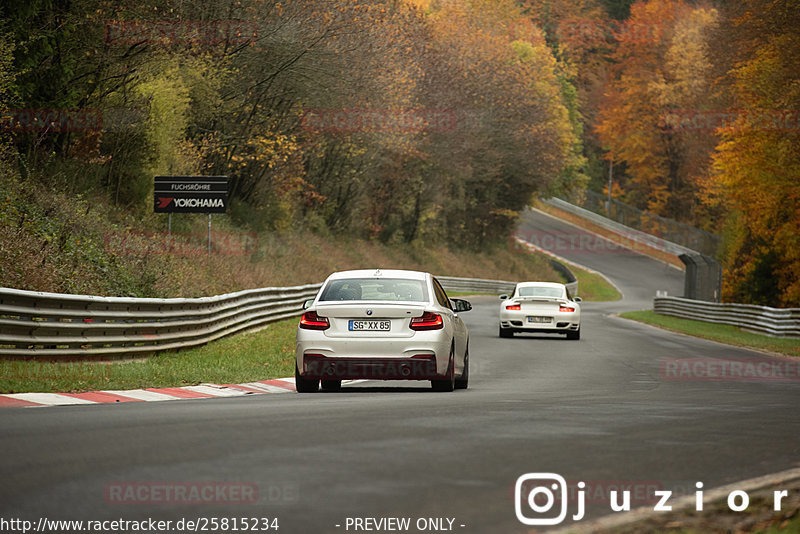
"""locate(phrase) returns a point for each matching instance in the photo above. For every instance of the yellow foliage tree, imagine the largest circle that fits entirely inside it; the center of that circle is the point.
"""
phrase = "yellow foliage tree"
(757, 164)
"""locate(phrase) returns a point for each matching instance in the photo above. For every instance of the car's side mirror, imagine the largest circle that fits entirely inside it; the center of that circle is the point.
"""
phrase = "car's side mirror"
(307, 304)
(503, 297)
(577, 299)
(460, 305)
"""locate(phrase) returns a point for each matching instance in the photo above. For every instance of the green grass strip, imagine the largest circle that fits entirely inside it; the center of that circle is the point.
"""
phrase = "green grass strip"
(718, 332)
(248, 357)
(594, 288)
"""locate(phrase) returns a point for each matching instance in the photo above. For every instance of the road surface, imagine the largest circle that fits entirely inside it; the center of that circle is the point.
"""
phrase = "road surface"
(596, 410)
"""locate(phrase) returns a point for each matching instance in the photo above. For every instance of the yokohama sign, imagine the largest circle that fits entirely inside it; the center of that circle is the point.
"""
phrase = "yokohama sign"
(191, 194)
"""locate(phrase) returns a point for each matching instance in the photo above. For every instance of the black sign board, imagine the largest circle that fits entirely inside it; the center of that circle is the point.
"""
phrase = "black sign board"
(191, 194)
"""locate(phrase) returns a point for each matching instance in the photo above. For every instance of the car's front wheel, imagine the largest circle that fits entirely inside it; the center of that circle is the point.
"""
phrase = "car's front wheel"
(304, 385)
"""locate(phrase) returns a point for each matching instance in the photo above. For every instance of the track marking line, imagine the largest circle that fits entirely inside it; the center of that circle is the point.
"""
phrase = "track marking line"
(7, 401)
(49, 399)
(101, 397)
(144, 395)
(181, 392)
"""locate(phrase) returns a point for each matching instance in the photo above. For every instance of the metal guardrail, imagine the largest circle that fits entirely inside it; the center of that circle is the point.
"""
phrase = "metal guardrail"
(634, 235)
(35, 324)
(703, 278)
(451, 283)
(781, 322)
(677, 232)
(52, 324)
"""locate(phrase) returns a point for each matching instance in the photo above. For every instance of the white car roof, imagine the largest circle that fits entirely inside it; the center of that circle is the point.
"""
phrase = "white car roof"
(541, 284)
(379, 273)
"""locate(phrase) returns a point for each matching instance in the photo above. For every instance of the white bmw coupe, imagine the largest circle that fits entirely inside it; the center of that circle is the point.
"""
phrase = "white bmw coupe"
(382, 325)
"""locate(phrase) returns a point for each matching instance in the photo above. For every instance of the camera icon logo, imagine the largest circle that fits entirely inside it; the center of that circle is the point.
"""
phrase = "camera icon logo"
(533, 488)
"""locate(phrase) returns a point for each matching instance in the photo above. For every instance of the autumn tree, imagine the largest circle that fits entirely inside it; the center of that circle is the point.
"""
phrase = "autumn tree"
(659, 72)
(514, 134)
(757, 163)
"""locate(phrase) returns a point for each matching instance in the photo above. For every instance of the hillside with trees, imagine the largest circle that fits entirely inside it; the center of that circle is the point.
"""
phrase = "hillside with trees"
(402, 123)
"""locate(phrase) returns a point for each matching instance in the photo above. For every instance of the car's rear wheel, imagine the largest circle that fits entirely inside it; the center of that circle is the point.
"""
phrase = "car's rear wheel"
(574, 334)
(331, 385)
(463, 381)
(304, 385)
(449, 382)
(506, 332)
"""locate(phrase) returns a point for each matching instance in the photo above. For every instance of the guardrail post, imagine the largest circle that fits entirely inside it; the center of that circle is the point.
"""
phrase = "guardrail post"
(712, 282)
(691, 277)
(703, 279)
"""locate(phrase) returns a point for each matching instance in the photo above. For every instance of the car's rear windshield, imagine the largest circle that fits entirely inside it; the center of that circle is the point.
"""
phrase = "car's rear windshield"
(386, 289)
(540, 291)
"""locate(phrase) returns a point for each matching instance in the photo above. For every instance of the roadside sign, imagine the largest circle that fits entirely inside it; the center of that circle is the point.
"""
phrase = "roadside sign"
(190, 194)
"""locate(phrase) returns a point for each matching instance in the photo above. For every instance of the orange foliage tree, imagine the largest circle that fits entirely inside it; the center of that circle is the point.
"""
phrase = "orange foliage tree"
(662, 68)
(757, 164)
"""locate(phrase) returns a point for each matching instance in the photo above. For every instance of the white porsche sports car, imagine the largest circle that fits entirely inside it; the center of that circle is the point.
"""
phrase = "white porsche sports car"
(382, 325)
(540, 307)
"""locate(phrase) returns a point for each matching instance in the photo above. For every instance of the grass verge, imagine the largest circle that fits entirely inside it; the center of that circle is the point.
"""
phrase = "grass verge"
(260, 355)
(594, 288)
(717, 332)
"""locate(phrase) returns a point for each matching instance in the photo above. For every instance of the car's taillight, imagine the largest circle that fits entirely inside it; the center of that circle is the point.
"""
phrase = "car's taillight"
(428, 321)
(311, 321)
(513, 307)
(565, 309)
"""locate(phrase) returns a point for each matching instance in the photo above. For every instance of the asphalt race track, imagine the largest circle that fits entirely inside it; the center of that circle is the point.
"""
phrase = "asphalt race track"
(595, 410)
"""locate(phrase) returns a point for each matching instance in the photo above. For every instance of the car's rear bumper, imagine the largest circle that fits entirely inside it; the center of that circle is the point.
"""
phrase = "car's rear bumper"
(555, 327)
(418, 367)
(560, 322)
(380, 358)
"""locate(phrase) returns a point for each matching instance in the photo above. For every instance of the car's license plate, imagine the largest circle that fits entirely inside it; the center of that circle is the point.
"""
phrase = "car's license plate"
(370, 326)
(538, 319)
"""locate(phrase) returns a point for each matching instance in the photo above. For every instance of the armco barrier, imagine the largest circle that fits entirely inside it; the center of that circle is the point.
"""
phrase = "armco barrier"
(450, 283)
(782, 322)
(625, 231)
(677, 232)
(35, 324)
(52, 324)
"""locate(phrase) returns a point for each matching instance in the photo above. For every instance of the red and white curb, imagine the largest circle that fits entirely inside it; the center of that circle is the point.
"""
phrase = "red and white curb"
(202, 391)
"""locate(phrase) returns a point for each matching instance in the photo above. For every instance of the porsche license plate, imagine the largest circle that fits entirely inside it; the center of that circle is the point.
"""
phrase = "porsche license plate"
(370, 326)
(539, 319)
